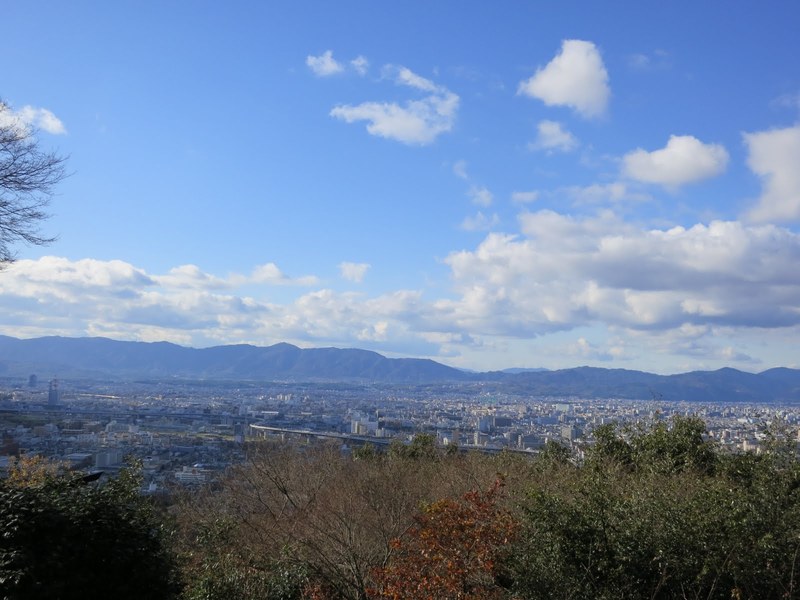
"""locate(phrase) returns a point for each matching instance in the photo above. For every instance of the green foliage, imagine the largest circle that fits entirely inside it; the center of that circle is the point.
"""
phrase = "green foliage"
(422, 447)
(365, 452)
(217, 570)
(662, 515)
(66, 539)
(554, 453)
(659, 447)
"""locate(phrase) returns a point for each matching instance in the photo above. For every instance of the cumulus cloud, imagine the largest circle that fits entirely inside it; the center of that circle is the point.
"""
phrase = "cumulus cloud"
(86, 273)
(187, 306)
(324, 65)
(567, 272)
(354, 272)
(417, 122)
(553, 137)
(684, 159)
(29, 117)
(576, 77)
(775, 157)
(672, 288)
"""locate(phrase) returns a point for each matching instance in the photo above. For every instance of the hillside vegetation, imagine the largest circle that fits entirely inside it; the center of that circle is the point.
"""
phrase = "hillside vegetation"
(652, 511)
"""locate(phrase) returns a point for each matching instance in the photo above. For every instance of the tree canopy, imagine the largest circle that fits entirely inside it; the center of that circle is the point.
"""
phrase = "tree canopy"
(63, 538)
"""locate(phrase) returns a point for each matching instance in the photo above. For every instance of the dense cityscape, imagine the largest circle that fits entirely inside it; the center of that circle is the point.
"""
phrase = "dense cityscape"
(188, 433)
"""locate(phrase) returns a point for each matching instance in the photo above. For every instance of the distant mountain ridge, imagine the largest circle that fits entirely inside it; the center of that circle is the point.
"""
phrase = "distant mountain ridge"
(87, 358)
(96, 357)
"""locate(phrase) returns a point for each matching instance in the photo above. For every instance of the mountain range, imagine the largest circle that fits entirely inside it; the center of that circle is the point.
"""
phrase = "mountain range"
(102, 358)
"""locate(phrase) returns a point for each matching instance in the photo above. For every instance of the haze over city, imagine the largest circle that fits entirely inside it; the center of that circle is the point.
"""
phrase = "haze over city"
(519, 185)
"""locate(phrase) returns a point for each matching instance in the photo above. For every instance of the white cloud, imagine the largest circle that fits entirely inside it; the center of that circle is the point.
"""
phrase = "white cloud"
(681, 291)
(587, 350)
(190, 276)
(479, 222)
(360, 64)
(524, 197)
(375, 333)
(460, 169)
(775, 156)
(324, 65)
(90, 297)
(270, 273)
(568, 272)
(553, 137)
(29, 117)
(481, 196)
(354, 272)
(405, 76)
(576, 78)
(416, 121)
(684, 159)
(604, 192)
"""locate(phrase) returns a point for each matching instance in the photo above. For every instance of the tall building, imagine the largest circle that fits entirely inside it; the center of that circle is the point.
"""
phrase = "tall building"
(52, 393)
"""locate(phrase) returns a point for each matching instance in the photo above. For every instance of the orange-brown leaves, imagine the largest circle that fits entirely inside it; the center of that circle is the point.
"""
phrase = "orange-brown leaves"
(451, 553)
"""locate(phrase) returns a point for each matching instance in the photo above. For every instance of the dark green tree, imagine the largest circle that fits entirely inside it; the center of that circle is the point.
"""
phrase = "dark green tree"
(658, 512)
(63, 538)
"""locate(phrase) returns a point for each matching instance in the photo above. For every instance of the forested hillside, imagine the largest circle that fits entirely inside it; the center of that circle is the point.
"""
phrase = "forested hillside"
(652, 511)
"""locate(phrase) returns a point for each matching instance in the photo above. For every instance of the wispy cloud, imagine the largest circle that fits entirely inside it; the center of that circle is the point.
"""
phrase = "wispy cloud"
(649, 61)
(480, 222)
(598, 193)
(480, 195)
(360, 64)
(524, 197)
(551, 136)
(460, 169)
(354, 272)
(416, 122)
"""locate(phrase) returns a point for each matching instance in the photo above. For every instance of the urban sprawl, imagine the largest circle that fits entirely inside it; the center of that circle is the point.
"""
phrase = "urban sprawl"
(188, 433)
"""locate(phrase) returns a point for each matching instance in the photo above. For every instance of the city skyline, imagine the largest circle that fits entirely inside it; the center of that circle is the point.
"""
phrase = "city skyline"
(491, 187)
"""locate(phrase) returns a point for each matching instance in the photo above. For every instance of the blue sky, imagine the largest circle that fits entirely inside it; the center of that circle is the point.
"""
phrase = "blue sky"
(526, 184)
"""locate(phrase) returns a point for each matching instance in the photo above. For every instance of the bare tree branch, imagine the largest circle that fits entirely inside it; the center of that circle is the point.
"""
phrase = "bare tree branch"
(28, 176)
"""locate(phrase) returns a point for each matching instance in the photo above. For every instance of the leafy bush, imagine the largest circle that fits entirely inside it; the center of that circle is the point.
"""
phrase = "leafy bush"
(63, 538)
